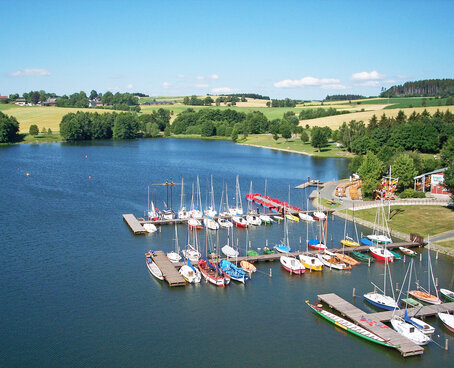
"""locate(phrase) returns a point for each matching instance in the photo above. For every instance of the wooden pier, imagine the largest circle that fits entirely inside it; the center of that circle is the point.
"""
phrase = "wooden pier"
(426, 311)
(135, 226)
(170, 273)
(371, 323)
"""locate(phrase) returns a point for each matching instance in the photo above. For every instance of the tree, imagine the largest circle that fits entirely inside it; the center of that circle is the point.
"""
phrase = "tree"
(208, 129)
(371, 171)
(126, 126)
(304, 137)
(9, 127)
(208, 101)
(286, 131)
(318, 139)
(43, 130)
(447, 153)
(449, 178)
(93, 94)
(275, 136)
(33, 129)
(235, 135)
(355, 163)
(49, 131)
(167, 131)
(403, 168)
(35, 97)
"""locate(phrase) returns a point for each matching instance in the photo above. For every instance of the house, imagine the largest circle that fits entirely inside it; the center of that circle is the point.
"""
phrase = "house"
(20, 101)
(50, 101)
(4, 98)
(95, 102)
(432, 182)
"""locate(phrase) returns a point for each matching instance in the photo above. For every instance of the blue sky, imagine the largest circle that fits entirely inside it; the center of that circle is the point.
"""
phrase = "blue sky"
(296, 49)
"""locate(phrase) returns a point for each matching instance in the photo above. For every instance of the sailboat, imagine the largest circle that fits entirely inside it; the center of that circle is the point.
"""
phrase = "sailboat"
(228, 250)
(348, 241)
(409, 331)
(152, 267)
(421, 293)
(283, 246)
(424, 327)
(319, 244)
(448, 294)
(304, 215)
(222, 221)
(319, 215)
(310, 262)
(191, 252)
(238, 209)
(190, 273)
(210, 223)
(174, 256)
(330, 260)
(236, 273)
(183, 213)
(382, 300)
(251, 217)
(211, 210)
(196, 208)
(380, 236)
(210, 271)
(447, 319)
(292, 264)
(150, 228)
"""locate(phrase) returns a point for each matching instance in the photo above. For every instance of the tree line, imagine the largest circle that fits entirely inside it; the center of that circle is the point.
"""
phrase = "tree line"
(82, 126)
(427, 87)
(343, 97)
(319, 113)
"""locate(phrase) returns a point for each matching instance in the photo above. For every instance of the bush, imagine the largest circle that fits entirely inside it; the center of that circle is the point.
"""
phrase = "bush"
(410, 193)
(33, 129)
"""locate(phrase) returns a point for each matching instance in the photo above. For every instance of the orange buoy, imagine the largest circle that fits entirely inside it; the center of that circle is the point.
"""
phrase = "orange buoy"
(89, 178)
(28, 174)
(86, 156)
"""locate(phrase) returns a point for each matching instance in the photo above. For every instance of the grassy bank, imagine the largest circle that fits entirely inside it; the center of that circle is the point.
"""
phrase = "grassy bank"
(449, 243)
(296, 145)
(422, 220)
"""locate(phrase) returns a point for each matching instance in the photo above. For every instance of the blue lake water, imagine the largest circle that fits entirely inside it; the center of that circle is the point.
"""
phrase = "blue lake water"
(75, 290)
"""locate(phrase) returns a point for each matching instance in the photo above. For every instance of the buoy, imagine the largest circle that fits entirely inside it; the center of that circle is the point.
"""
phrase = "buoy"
(86, 156)
(28, 174)
(89, 178)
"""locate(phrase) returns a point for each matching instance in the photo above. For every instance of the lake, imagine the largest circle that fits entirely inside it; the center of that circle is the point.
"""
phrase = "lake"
(76, 291)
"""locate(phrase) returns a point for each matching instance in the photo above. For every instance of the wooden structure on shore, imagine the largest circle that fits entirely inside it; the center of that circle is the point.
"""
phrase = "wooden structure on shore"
(170, 273)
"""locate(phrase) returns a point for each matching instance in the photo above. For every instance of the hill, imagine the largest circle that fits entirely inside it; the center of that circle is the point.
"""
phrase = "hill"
(427, 87)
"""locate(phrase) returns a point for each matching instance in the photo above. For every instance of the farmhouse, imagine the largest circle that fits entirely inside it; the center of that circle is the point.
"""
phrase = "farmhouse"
(20, 101)
(50, 101)
(432, 182)
(95, 102)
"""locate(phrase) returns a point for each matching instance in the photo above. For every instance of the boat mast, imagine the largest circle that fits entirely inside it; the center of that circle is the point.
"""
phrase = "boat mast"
(182, 194)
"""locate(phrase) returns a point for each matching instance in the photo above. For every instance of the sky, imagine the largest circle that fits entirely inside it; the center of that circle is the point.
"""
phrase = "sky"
(295, 49)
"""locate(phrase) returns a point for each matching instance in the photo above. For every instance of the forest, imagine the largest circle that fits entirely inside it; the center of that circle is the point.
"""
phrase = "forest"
(422, 88)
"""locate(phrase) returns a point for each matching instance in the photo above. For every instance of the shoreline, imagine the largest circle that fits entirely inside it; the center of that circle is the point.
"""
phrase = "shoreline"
(279, 149)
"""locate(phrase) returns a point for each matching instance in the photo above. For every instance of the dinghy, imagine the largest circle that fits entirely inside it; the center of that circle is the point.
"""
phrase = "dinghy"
(152, 267)
(253, 220)
(266, 219)
(316, 244)
(362, 257)
(306, 217)
(212, 273)
(408, 252)
(330, 261)
(228, 251)
(247, 266)
(210, 223)
(367, 242)
(194, 224)
(425, 297)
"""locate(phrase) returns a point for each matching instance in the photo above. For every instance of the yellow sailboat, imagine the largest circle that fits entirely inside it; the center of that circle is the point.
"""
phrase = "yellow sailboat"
(349, 243)
(292, 218)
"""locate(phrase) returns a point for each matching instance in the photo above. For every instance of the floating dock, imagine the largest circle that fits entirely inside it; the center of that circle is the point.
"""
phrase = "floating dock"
(371, 323)
(135, 226)
(310, 183)
(170, 273)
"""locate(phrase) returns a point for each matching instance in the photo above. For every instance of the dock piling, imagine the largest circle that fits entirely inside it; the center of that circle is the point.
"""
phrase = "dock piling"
(446, 344)
(354, 289)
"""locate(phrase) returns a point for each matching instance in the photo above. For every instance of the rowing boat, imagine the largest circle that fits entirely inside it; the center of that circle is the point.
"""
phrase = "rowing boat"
(350, 327)
(362, 257)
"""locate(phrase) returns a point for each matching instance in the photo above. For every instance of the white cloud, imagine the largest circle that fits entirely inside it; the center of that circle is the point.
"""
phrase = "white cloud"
(34, 72)
(166, 84)
(306, 81)
(333, 86)
(180, 75)
(214, 76)
(201, 85)
(130, 86)
(223, 90)
(200, 77)
(365, 76)
(370, 83)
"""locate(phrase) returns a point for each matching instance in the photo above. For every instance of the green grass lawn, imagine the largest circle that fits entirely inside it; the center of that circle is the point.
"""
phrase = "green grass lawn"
(293, 144)
(422, 220)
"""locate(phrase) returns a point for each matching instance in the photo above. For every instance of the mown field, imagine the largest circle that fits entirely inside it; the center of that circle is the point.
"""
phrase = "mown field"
(422, 220)
(293, 144)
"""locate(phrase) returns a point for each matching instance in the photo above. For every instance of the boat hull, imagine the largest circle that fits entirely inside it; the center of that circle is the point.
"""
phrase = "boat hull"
(425, 297)
(448, 320)
(292, 265)
(381, 254)
(381, 301)
(448, 294)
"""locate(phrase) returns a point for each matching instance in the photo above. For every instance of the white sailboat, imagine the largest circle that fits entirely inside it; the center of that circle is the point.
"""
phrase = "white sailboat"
(409, 331)
(211, 209)
(183, 213)
(190, 273)
(238, 209)
(174, 256)
(309, 261)
(381, 300)
(150, 228)
(210, 223)
(152, 267)
(381, 233)
(228, 249)
(191, 252)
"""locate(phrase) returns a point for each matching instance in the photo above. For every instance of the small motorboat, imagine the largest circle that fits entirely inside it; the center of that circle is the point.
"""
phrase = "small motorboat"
(292, 265)
(448, 320)
(448, 294)
(150, 228)
(422, 326)
(173, 257)
(408, 252)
